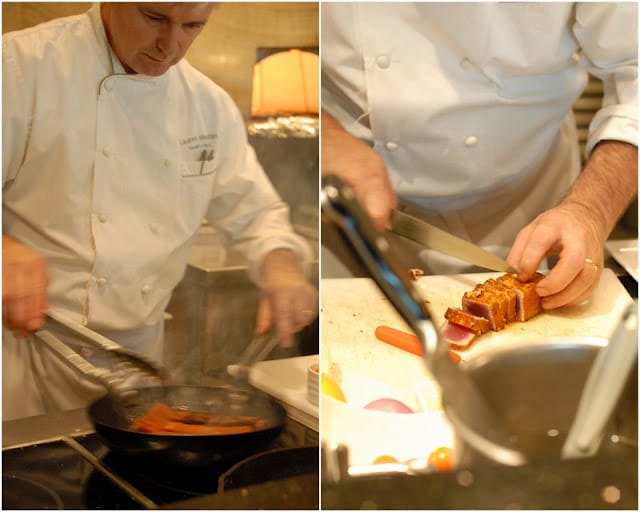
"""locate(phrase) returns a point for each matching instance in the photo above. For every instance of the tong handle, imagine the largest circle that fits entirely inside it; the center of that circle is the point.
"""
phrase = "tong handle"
(104, 343)
(340, 206)
(259, 348)
(603, 387)
(76, 362)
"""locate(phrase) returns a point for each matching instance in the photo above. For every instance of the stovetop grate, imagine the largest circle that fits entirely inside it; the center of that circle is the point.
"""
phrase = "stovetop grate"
(81, 473)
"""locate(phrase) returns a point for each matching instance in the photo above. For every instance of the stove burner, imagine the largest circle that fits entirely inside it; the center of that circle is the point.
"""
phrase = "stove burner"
(193, 481)
(278, 463)
(24, 494)
(82, 473)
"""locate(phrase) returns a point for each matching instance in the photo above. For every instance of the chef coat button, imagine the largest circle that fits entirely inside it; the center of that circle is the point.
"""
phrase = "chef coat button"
(390, 146)
(146, 289)
(167, 163)
(466, 64)
(102, 218)
(382, 61)
(108, 86)
(106, 151)
(470, 141)
(101, 281)
(154, 228)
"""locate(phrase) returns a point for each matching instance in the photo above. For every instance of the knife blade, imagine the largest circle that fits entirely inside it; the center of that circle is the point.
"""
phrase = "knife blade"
(430, 236)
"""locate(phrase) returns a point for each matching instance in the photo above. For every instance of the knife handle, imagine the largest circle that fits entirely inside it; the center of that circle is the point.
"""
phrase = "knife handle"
(340, 206)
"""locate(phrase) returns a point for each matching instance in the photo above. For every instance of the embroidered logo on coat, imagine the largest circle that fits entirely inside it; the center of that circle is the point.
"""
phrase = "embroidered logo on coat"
(199, 152)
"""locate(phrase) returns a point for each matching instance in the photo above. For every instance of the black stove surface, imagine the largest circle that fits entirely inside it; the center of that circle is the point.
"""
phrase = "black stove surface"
(81, 473)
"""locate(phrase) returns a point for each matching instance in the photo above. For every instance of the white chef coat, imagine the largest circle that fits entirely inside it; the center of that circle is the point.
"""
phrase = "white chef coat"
(469, 104)
(109, 175)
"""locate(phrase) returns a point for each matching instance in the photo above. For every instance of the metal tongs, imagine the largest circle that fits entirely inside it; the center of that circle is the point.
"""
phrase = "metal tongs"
(256, 351)
(129, 366)
(466, 408)
(604, 385)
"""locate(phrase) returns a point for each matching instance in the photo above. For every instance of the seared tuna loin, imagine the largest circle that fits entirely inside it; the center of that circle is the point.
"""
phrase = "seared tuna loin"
(485, 302)
(528, 302)
(478, 324)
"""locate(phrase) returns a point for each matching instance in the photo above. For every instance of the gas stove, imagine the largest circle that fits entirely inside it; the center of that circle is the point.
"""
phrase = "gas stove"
(75, 470)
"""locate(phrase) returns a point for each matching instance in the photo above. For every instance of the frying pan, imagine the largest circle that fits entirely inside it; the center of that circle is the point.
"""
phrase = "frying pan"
(112, 416)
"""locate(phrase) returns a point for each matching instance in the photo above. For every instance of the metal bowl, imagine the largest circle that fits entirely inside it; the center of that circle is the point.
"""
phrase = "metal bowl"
(534, 388)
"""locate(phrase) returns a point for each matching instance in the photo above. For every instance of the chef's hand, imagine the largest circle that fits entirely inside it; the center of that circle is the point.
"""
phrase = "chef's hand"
(579, 226)
(360, 167)
(287, 299)
(570, 231)
(24, 287)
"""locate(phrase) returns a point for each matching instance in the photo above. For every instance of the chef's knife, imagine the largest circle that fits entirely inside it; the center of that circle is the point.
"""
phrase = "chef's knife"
(467, 409)
(426, 234)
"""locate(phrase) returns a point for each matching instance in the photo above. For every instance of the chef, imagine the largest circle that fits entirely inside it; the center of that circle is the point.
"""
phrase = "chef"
(114, 150)
(464, 111)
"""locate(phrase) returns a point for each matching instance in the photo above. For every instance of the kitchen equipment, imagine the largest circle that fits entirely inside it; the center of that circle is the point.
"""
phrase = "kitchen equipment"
(608, 374)
(104, 343)
(281, 462)
(536, 385)
(426, 234)
(625, 252)
(286, 381)
(128, 399)
(113, 416)
(128, 371)
(60, 452)
(468, 411)
(257, 350)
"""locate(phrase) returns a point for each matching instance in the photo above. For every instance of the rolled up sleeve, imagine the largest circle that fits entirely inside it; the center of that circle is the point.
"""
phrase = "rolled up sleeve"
(608, 36)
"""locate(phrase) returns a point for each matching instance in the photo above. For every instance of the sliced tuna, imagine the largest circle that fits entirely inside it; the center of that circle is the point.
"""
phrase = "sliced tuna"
(528, 302)
(478, 324)
(511, 296)
(457, 335)
(485, 302)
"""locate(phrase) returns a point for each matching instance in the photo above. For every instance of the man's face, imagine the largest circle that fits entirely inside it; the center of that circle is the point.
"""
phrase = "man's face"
(149, 38)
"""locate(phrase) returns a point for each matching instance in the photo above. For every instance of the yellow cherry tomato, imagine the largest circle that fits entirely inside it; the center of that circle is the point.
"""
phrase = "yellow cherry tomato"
(385, 459)
(441, 459)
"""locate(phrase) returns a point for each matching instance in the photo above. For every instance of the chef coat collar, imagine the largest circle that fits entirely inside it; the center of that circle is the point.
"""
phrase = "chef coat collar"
(111, 60)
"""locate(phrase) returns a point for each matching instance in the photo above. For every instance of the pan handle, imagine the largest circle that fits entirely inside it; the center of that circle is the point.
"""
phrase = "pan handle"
(340, 206)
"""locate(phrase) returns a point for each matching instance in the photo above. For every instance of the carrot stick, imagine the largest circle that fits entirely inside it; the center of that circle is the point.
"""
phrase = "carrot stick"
(405, 341)
(399, 339)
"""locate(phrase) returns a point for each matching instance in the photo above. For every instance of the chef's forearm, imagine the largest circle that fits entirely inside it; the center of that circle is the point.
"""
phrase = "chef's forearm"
(333, 139)
(360, 167)
(607, 184)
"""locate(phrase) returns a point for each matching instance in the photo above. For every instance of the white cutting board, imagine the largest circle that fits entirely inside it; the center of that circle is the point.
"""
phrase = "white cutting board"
(286, 380)
(353, 308)
(367, 368)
